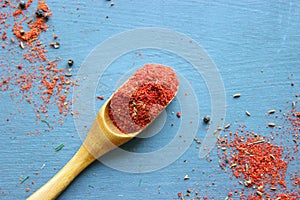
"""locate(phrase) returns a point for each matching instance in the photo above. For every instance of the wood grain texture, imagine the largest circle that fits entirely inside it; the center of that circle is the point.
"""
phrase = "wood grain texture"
(243, 38)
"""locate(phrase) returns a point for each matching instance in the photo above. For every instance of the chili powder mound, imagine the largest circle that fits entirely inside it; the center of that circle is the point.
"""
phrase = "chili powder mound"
(256, 161)
(141, 99)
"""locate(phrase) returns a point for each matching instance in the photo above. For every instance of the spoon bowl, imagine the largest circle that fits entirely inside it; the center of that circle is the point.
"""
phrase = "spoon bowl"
(104, 135)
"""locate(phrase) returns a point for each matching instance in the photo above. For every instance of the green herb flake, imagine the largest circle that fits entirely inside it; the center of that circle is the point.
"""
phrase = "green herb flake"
(44, 121)
(59, 147)
(24, 179)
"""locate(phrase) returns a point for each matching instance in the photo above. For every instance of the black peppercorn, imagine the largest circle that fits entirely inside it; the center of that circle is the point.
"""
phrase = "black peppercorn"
(46, 16)
(39, 13)
(70, 62)
(206, 119)
(22, 32)
(22, 4)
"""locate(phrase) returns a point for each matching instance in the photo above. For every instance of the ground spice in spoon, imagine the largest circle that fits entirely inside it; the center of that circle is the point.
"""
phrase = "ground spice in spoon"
(137, 102)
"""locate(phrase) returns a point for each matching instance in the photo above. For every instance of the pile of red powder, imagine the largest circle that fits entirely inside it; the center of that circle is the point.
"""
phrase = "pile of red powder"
(255, 160)
(137, 102)
(261, 166)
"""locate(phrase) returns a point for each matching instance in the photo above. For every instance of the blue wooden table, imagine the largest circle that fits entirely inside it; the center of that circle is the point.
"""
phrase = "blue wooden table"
(255, 46)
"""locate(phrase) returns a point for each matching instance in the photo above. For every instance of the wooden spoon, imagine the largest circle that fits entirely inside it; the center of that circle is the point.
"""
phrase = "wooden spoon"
(103, 137)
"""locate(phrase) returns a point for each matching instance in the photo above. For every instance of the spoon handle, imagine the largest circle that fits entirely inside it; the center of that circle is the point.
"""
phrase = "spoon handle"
(53, 188)
(98, 141)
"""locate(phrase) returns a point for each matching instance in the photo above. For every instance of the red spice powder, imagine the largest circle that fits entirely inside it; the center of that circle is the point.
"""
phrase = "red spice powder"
(138, 102)
(34, 70)
(256, 161)
(292, 196)
(36, 27)
(294, 118)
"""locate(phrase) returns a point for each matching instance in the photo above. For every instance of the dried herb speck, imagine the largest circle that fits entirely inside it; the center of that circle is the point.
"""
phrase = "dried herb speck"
(44, 121)
(59, 147)
(24, 179)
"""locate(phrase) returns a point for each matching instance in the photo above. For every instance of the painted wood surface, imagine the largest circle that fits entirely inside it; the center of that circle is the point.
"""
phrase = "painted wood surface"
(254, 44)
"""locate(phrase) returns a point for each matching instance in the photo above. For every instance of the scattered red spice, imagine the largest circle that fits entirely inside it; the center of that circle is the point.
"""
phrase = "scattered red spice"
(136, 103)
(292, 196)
(266, 167)
(34, 69)
(254, 160)
(260, 166)
(294, 118)
(35, 28)
(4, 36)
